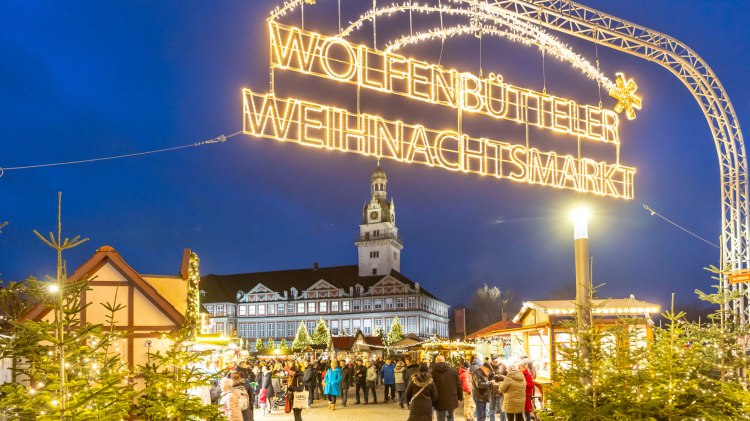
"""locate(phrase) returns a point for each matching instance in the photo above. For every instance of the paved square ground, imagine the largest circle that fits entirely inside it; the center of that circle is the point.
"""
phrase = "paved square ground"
(370, 412)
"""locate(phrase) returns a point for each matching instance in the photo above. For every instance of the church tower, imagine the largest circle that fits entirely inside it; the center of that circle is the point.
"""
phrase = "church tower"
(378, 242)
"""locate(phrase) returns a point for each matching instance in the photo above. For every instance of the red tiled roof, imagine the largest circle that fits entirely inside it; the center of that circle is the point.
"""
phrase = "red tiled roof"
(343, 342)
(503, 325)
(373, 340)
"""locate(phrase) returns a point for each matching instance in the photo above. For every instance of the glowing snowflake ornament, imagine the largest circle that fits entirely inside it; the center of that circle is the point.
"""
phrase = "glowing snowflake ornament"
(624, 92)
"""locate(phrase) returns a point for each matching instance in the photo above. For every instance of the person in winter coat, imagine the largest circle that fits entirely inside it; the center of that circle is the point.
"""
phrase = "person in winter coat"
(241, 385)
(475, 364)
(398, 375)
(410, 368)
(371, 381)
(347, 375)
(360, 375)
(386, 373)
(320, 369)
(229, 403)
(422, 395)
(464, 374)
(296, 384)
(448, 387)
(310, 381)
(498, 373)
(528, 407)
(333, 384)
(480, 388)
(514, 389)
(266, 383)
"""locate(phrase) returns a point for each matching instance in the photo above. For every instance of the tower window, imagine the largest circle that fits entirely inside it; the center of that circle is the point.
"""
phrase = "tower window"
(374, 271)
(374, 254)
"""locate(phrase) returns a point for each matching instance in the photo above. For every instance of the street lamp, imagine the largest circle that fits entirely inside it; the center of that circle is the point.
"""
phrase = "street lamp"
(580, 218)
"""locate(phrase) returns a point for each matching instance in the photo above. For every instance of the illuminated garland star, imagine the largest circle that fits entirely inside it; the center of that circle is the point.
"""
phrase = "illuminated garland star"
(624, 92)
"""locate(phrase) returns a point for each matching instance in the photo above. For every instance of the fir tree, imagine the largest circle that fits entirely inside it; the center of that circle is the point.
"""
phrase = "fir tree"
(302, 339)
(270, 344)
(259, 345)
(283, 345)
(396, 333)
(173, 381)
(74, 370)
(321, 335)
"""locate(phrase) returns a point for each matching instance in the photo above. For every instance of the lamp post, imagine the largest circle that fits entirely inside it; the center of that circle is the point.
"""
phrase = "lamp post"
(583, 285)
(583, 276)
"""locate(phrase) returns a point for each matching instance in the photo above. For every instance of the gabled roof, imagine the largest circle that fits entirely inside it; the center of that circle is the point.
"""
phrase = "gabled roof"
(102, 256)
(501, 325)
(601, 306)
(223, 288)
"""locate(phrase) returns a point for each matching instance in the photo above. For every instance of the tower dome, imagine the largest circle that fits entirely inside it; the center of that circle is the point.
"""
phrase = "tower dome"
(378, 181)
(378, 174)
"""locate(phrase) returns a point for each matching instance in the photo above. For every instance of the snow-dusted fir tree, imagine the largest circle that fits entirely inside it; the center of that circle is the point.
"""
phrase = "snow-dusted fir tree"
(397, 332)
(321, 335)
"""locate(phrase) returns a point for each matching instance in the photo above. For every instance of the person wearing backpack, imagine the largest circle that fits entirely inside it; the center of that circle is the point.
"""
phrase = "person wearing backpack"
(245, 396)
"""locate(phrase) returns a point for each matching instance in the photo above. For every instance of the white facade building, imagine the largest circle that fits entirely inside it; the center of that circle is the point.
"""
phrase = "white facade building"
(361, 297)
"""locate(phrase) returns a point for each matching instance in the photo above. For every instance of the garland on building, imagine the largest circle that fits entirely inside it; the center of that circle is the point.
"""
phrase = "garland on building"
(192, 314)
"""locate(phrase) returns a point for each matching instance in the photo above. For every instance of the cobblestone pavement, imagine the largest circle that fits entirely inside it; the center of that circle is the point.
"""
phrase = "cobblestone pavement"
(370, 412)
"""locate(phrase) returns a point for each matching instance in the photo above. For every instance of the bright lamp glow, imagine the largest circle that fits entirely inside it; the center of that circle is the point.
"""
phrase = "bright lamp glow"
(580, 218)
(53, 288)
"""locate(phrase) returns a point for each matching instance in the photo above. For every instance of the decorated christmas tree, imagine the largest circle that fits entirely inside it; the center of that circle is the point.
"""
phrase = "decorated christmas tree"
(175, 380)
(396, 333)
(176, 383)
(259, 345)
(283, 345)
(73, 369)
(302, 339)
(321, 335)
(270, 344)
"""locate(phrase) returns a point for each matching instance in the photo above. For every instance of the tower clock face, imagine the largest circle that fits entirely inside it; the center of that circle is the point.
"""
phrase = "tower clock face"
(373, 215)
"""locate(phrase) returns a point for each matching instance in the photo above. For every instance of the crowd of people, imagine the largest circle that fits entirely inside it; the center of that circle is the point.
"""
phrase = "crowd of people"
(487, 390)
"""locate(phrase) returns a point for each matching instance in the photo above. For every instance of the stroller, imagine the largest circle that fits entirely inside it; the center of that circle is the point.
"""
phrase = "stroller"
(279, 390)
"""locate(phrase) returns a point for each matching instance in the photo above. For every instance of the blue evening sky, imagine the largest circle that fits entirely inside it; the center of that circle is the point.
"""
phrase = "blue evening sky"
(89, 78)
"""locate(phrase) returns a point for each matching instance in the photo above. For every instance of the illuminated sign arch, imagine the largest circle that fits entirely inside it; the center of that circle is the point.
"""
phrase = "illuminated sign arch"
(607, 30)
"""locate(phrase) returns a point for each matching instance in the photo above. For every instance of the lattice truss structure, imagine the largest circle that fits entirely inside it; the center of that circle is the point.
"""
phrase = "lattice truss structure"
(526, 22)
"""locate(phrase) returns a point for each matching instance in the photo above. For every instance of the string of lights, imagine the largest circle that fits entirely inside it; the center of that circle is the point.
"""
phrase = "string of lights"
(218, 139)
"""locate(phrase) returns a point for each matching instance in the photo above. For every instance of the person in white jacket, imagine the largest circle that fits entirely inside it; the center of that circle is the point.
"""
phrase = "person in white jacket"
(229, 403)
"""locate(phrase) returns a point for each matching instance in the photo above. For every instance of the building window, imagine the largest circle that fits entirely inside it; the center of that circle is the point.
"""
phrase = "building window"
(290, 308)
(290, 329)
(335, 327)
(374, 254)
(243, 310)
(311, 308)
(367, 328)
(280, 329)
(272, 330)
(251, 330)
(272, 309)
(411, 302)
(261, 330)
(220, 310)
(310, 327)
(281, 308)
(242, 330)
(251, 310)
(261, 310)
(374, 271)
(300, 308)
(220, 327)
(379, 324)
(345, 305)
(323, 306)
(400, 302)
(389, 303)
(388, 325)
(356, 325)
(378, 304)
(345, 324)
(411, 325)
(210, 309)
(334, 306)
(355, 305)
